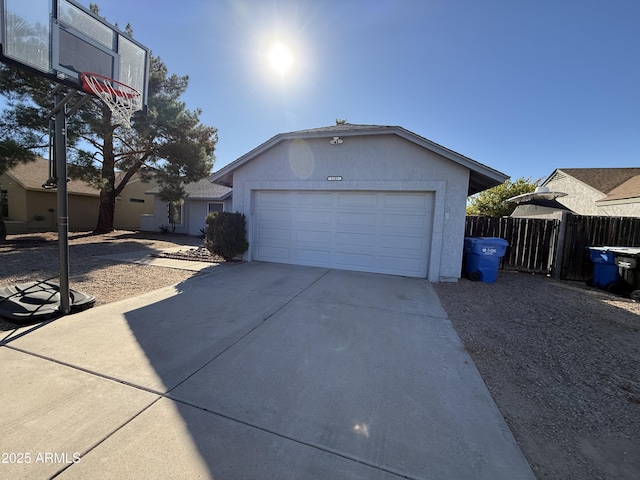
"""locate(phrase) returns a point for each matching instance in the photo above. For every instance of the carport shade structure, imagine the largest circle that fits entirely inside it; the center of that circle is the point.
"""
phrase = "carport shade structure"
(358, 197)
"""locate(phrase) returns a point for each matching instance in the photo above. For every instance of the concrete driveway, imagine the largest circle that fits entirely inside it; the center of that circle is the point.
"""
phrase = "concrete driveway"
(250, 372)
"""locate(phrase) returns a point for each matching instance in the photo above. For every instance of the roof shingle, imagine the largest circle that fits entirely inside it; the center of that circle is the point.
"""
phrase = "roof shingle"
(32, 175)
(605, 180)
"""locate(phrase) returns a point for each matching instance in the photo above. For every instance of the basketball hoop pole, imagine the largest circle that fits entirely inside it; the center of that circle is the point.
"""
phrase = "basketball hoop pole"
(60, 159)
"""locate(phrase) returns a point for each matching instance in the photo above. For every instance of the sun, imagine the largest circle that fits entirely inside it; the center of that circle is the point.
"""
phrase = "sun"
(280, 58)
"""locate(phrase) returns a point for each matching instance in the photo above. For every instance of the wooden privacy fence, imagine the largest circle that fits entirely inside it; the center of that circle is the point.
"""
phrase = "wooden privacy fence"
(587, 231)
(555, 247)
(532, 242)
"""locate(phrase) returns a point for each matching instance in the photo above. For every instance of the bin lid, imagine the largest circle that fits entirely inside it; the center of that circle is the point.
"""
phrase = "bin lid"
(487, 241)
(617, 250)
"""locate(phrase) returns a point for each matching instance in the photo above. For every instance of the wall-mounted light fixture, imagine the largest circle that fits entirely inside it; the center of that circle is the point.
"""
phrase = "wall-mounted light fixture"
(335, 141)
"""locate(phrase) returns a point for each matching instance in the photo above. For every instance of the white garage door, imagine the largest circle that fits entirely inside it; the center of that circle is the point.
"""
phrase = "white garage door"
(383, 232)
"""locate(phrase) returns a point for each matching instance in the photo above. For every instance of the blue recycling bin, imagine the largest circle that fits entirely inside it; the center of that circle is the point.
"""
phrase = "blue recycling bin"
(483, 255)
(605, 270)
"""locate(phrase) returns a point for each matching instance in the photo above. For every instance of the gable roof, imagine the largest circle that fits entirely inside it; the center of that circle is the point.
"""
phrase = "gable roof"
(201, 190)
(481, 177)
(31, 176)
(605, 180)
(628, 189)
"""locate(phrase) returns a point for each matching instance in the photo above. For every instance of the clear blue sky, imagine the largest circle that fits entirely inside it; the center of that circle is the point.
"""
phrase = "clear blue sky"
(523, 86)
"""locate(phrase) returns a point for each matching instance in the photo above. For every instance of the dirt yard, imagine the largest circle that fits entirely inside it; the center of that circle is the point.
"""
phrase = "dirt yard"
(561, 360)
(35, 257)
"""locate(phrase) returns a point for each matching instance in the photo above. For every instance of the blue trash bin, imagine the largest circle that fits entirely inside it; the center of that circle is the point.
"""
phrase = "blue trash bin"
(605, 270)
(483, 255)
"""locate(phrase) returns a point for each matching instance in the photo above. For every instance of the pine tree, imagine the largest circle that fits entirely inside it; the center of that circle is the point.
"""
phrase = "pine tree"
(169, 143)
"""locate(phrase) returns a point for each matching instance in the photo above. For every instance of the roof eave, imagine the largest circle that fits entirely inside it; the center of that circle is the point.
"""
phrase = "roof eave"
(481, 177)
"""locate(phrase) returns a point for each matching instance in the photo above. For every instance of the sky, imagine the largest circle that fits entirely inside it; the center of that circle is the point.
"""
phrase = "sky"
(522, 86)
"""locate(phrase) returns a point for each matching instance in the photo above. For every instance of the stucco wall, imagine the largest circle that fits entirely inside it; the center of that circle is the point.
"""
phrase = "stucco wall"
(37, 211)
(27, 205)
(585, 200)
(619, 208)
(17, 198)
(380, 163)
(129, 206)
(580, 197)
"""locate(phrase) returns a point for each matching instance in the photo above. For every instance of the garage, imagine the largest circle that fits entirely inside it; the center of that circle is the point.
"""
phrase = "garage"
(382, 232)
(371, 198)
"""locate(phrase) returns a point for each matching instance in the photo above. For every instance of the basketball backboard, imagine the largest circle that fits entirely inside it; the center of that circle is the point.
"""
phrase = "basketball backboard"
(61, 39)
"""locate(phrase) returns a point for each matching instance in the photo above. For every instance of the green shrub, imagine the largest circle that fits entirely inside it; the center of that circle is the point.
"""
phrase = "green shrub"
(226, 234)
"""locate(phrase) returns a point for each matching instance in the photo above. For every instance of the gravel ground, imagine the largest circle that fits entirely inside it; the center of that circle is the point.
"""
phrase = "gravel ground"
(35, 257)
(561, 360)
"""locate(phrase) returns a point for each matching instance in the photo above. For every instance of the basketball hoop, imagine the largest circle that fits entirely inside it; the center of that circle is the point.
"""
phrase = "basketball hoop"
(121, 99)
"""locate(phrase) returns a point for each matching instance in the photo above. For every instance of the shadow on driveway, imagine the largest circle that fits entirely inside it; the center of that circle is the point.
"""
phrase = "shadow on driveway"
(275, 371)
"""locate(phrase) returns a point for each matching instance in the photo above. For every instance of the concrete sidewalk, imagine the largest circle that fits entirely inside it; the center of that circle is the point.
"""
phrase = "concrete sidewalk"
(144, 257)
(257, 371)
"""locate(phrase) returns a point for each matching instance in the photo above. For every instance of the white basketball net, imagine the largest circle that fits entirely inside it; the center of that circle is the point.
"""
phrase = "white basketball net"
(121, 99)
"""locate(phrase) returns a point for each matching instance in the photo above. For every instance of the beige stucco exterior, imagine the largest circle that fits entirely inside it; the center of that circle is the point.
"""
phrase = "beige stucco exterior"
(580, 198)
(619, 208)
(36, 210)
(31, 208)
(132, 203)
(583, 199)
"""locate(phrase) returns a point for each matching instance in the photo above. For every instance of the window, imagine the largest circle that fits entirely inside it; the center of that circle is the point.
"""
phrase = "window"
(136, 200)
(215, 207)
(4, 203)
(175, 213)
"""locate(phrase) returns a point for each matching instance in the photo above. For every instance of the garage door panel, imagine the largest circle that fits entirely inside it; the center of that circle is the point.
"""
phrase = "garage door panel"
(412, 222)
(381, 232)
(353, 260)
(369, 200)
(267, 199)
(311, 257)
(359, 219)
(355, 239)
(391, 242)
(415, 201)
(400, 266)
(279, 216)
(273, 253)
(310, 217)
(274, 234)
(314, 236)
(313, 199)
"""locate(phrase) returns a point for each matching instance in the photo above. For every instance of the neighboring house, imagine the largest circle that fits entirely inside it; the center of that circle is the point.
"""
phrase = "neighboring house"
(357, 197)
(201, 198)
(611, 192)
(132, 202)
(29, 207)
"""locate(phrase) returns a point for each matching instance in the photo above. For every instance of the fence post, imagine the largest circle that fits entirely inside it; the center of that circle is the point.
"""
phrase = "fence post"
(559, 253)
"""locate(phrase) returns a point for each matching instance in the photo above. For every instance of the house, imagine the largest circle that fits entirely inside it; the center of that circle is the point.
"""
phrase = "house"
(357, 197)
(201, 198)
(29, 207)
(132, 202)
(598, 191)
